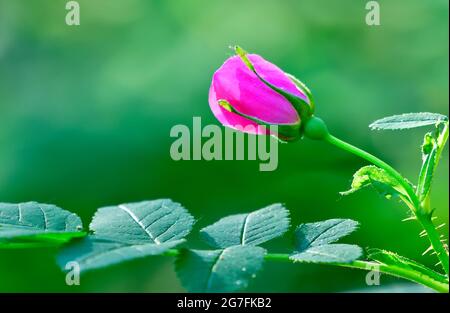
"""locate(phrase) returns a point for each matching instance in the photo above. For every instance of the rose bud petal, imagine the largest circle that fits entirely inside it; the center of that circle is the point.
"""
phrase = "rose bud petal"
(250, 91)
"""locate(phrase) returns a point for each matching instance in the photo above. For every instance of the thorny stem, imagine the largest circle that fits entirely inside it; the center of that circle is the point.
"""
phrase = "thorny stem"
(414, 203)
(364, 265)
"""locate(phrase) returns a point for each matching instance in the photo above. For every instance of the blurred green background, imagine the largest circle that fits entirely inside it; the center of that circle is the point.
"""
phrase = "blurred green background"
(85, 115)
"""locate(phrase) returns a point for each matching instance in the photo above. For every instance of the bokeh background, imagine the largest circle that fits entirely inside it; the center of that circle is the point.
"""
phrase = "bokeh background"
(85, 115)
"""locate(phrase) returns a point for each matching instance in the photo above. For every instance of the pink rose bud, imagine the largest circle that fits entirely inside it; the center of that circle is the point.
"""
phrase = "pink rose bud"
(250, 94)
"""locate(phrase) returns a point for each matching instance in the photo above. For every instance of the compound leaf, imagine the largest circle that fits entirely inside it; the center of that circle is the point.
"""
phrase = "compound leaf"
(408, 120)
(129, 231)
(223, 270)
(248, 229)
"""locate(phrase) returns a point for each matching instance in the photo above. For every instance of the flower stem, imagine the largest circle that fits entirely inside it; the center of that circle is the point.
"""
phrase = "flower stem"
(376, 161)
(396, 271)
(414, 205)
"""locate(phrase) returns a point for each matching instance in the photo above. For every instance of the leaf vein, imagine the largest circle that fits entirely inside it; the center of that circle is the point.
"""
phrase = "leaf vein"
(136, 219)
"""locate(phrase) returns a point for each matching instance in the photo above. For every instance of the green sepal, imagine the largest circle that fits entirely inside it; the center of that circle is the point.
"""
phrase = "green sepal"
(284, 132)
(300, 85)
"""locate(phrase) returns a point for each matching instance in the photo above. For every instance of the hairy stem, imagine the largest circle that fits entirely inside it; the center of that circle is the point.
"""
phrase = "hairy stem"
(408, 274)
(414, 205)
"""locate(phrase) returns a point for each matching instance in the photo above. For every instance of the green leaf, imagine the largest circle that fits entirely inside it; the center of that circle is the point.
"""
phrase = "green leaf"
(321, 233)
(408, 120)
(154, 221)
(432, 147)
(429, 152)
(231, 267)
(34, 224)
(130, 231)
(378, 178)
(314, 242)
(224, 270)
(95, 252)
(248, 229)
(329, 253)
(394, 260)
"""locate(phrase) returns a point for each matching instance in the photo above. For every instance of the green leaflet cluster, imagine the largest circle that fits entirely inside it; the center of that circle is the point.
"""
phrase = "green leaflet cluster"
(433, 144)
(135, 230)
(237, 257)
(417, 198)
